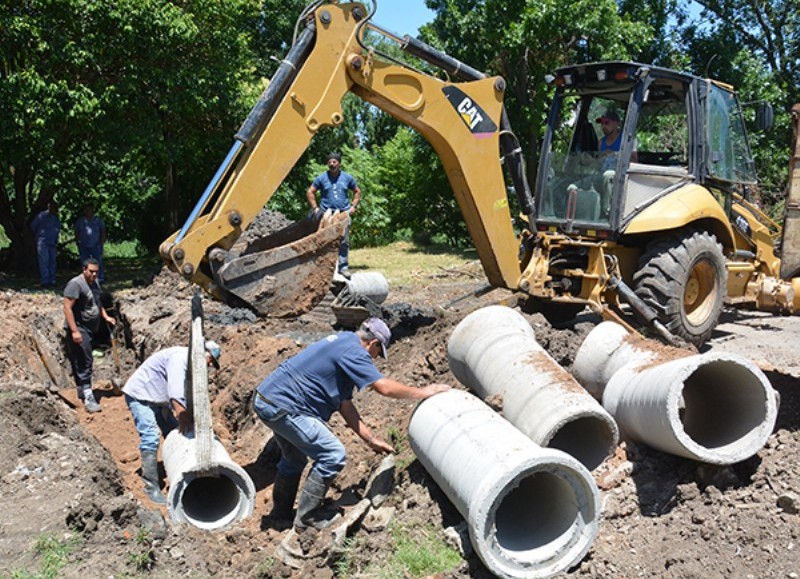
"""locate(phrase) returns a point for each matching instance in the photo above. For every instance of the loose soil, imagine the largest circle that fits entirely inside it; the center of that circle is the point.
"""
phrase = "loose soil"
(65, 471)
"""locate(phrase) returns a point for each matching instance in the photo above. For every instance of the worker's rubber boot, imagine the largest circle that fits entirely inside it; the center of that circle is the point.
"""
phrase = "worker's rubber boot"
(151, 478)
(284, 491)
(309, 513)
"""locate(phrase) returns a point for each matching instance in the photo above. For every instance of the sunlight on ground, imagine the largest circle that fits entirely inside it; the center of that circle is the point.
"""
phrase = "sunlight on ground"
(405, 263)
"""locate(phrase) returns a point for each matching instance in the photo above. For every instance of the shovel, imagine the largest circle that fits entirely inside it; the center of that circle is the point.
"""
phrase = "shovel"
(116, 382)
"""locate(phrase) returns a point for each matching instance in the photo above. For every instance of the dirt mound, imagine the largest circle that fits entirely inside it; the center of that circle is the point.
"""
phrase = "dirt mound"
(63, 469)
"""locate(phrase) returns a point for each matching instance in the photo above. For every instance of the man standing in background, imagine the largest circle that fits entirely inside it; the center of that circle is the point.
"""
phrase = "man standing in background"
(334, 186)
(90, 234)
(46, 227)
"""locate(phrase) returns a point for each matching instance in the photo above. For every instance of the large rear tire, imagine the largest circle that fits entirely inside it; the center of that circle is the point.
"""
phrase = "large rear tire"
(684, 279)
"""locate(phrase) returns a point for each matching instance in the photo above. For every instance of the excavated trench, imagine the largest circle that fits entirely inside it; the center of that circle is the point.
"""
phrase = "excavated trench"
(66, 469)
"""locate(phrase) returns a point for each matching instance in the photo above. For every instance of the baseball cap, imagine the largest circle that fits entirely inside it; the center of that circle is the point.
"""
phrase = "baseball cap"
(609, 115)
(213, 348)
(380, 330)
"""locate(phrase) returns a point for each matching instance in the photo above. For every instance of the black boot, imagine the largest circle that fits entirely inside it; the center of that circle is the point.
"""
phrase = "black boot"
(284, 491)
(151, 478)
(308, 512)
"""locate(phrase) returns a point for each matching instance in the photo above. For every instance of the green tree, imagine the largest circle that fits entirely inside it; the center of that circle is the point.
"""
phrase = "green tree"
(119, 102)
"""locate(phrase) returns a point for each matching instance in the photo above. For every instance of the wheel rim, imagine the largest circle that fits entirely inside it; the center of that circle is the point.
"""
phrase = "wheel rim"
(700, 292)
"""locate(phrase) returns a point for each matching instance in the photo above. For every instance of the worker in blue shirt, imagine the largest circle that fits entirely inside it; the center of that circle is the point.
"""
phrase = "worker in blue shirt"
(90, 234)
(46, 227)
(334, 186)
(299, 397)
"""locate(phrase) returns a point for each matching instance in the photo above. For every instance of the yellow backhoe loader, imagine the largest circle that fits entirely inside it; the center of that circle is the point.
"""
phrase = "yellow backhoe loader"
(654, 228)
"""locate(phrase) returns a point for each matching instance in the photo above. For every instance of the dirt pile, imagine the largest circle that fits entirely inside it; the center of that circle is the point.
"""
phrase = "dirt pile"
(63, 469)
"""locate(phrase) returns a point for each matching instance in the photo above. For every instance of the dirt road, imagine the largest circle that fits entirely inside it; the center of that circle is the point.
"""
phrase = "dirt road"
(65, 470)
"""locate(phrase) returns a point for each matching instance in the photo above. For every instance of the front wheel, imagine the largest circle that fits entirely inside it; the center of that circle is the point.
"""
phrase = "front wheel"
(684, 279)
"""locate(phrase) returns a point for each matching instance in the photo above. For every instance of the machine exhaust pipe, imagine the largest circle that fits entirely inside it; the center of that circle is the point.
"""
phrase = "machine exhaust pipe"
(493, 351)
(717, 408)
(531, 511)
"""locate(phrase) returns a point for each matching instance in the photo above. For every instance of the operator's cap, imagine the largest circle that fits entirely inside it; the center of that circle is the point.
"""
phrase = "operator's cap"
(213, 348)
(380, 330)
(609, 115)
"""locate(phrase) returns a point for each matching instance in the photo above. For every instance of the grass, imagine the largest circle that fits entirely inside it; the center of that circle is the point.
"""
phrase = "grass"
(418, 552)
(53, 553)
(407, 263)
(403, 263)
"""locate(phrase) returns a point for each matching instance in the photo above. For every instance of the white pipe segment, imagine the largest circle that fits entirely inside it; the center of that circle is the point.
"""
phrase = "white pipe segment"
(211, 498)
(493, 351)
(371, 284)
(531, 511)
(715, 407)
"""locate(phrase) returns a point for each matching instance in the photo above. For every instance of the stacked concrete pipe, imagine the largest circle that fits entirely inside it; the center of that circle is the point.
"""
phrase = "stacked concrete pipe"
(206, 488)
(715, 407)
(531, 511)
(493, 351)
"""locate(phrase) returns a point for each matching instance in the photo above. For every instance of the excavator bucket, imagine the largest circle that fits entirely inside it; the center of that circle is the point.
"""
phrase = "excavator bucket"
(287, 273)
(790, 242)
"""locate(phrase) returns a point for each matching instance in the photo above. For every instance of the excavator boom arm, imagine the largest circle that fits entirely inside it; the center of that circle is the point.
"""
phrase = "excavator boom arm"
(461, 120)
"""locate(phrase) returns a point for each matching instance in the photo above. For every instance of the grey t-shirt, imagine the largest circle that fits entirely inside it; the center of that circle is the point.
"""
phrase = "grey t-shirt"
(86, 308)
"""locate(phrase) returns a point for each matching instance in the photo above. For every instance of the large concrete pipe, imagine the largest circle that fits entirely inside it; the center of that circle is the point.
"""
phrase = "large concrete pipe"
(371, 284)
(531, 511)
(493, 351)
(206, 488)
(212, 497)
(715, 407)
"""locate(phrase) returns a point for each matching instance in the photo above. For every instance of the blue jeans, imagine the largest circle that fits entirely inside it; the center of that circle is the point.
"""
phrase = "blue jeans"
(95, 251)
(151, 421)
(46, 254)
(344, 247)
(302, 437)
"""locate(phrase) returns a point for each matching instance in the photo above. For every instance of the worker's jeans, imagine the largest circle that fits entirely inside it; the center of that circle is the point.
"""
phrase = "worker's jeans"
(151, 421)
(80, 358)
(344, 247)
(299, 438)
(46, 254)
(95, 251)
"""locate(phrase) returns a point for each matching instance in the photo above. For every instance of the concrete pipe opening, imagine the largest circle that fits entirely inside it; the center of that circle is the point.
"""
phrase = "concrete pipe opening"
(724, 405)
(534, 519)
(210, 502)
(531, 511)
(588, 438)
(210, 494)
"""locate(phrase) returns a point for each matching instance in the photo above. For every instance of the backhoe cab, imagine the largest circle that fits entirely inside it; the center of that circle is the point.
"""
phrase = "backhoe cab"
(661, 218)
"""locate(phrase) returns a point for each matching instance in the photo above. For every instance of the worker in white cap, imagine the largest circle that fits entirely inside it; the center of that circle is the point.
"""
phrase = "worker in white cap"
(156, 397)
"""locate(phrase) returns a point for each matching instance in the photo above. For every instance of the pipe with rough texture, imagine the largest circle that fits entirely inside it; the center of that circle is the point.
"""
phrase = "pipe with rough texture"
(211, 498)
(493, 351)
(531, 511)
(715, 407)
(206, 488)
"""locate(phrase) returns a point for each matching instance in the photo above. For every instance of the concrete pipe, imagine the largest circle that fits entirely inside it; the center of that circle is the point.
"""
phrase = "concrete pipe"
(212, 497)
(493, 351)
(371, 284)
(531, 511)
(715, 407)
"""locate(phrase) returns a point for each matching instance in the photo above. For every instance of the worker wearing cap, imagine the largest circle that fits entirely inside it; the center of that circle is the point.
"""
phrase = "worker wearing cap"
(612, 137)
(156, 397)
(299, 397)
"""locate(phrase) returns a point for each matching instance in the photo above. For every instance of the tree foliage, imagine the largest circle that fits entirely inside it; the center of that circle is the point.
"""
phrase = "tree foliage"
(131, 105)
